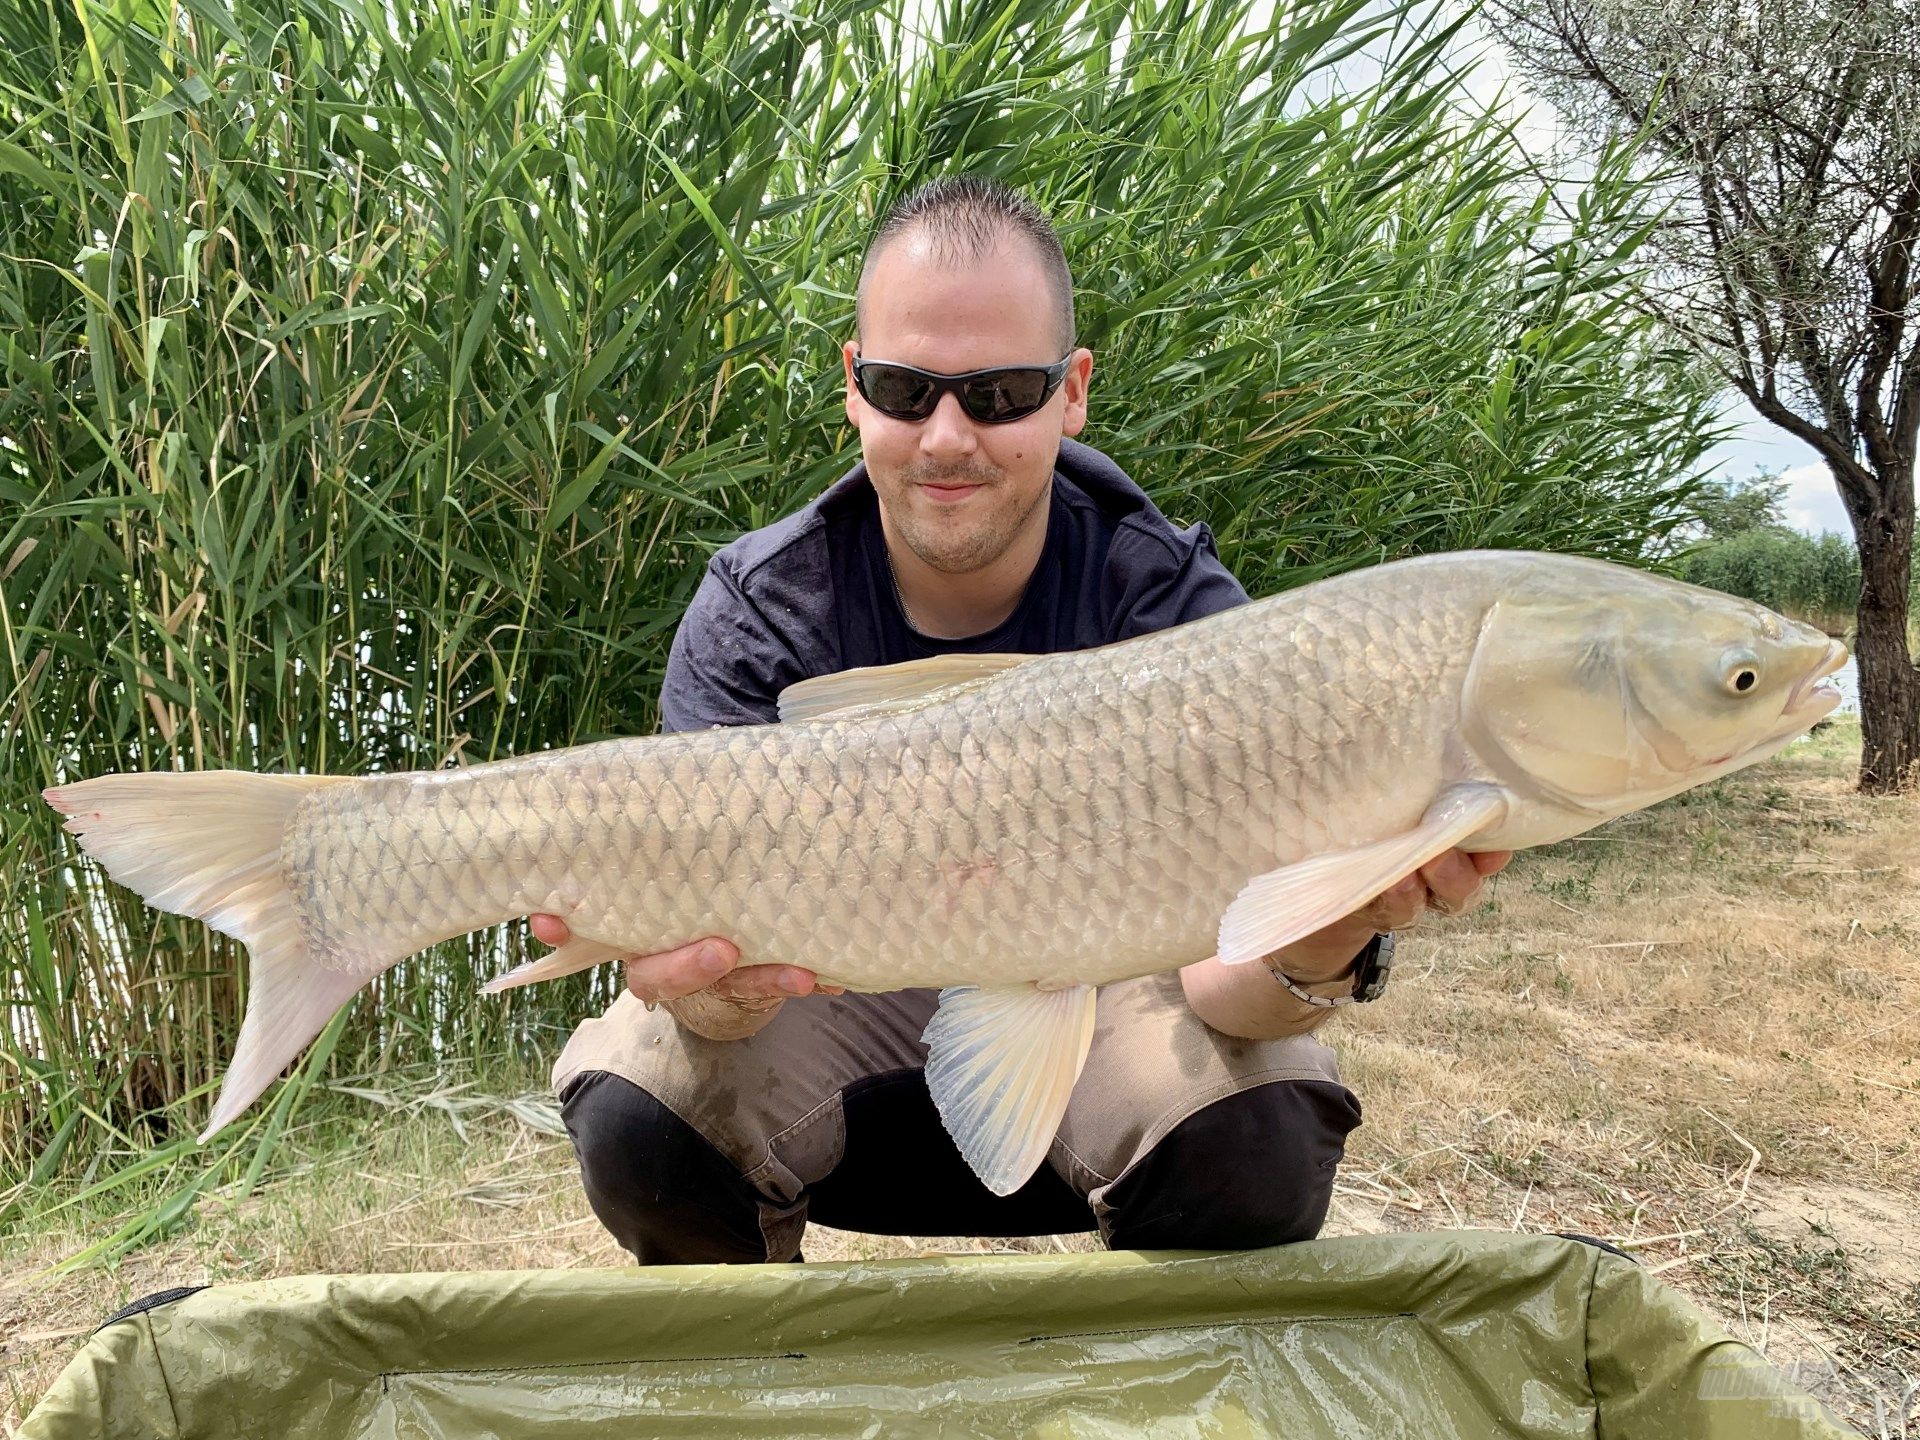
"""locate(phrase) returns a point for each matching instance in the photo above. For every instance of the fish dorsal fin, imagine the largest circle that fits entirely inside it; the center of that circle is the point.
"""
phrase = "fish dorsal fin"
(876, 688)
(1291, 903)
(1001, 1062)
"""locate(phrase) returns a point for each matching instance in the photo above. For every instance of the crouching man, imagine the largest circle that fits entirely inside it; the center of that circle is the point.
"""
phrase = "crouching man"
(713, 1116)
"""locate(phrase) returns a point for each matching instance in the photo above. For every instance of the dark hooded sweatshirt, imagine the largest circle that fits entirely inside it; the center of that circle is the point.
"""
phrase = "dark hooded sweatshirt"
(811, 594)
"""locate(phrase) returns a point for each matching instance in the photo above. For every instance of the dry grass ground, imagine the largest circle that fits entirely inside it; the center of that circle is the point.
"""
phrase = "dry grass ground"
(1695, 1033)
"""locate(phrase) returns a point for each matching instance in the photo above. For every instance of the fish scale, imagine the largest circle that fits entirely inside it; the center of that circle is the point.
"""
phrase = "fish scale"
(1082, 817)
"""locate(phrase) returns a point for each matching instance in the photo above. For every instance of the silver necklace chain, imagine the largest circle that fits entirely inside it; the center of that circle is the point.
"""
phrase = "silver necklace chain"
(900, 599)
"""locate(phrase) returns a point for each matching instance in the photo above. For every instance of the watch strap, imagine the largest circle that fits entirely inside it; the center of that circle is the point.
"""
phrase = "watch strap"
(1369, 970)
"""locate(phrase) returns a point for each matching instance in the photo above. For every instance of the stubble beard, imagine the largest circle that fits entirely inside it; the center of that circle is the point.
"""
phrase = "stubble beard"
(954, 550)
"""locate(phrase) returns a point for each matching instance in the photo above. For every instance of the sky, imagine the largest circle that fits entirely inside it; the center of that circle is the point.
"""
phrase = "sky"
(1811, 504)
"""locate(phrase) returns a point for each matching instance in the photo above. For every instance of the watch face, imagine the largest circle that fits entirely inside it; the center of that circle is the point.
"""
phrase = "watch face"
(1375, 968)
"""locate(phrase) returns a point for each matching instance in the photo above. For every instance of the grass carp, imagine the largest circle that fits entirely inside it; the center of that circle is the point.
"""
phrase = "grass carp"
(1019, 829)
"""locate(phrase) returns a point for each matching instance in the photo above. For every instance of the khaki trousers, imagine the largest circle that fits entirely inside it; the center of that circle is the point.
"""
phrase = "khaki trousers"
(777, 1107)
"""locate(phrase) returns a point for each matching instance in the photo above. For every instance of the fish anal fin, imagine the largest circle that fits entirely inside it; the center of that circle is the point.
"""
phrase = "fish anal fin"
(1290, 903)
(1001, 1064)
(880, 688)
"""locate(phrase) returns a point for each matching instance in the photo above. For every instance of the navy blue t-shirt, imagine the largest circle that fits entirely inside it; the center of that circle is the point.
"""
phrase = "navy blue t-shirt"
(812, 595)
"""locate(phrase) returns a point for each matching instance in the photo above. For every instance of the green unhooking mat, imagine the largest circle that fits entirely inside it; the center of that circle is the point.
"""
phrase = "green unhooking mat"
(1462, 1334)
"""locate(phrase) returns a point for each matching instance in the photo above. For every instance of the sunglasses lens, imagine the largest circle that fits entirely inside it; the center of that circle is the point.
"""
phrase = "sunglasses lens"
(1006, 394)
(898, 391)
(996, 395)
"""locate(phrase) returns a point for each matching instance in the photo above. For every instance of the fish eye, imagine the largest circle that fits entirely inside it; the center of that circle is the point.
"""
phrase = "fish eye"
(1740, 672)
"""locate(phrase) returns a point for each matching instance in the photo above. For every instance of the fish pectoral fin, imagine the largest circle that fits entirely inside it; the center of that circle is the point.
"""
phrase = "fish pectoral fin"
(576, 955)
(1291, 903)
(879, 688)
(1001, 1062)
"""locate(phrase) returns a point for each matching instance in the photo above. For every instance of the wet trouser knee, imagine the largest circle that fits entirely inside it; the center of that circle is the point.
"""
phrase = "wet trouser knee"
(659, 1186)
(670, 1197)
(1253, 1169)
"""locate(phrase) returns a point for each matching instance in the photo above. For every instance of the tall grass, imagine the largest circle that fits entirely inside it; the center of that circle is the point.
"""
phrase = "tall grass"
(375, 379)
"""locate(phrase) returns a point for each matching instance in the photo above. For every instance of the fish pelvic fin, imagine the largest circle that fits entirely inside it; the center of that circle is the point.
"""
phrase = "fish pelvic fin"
(1290, 903)
(576, 955)
(1001, 1063)
(207, 844)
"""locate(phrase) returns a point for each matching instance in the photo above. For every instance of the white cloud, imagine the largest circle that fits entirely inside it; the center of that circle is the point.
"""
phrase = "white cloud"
(1812, 503)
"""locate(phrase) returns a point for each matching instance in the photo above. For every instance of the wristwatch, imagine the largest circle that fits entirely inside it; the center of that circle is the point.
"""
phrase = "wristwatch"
(1370, 969)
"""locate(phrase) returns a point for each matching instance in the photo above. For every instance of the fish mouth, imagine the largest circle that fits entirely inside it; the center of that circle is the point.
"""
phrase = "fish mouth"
(1810, 694)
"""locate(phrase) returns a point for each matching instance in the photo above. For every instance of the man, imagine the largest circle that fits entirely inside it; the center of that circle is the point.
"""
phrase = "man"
(712, 1127)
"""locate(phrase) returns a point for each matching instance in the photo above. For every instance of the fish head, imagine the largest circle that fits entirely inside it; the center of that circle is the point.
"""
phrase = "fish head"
(1638, 688)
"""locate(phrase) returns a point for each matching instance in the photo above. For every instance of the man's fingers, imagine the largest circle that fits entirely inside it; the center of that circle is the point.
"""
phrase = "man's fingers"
(549, 929)
(1490, 862)
(715, 964)
(673, 973)
(1399, 907)
(1454, 881)
(767, 982)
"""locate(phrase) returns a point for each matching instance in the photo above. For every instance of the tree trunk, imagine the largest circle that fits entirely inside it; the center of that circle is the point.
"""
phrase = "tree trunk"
(1889, 684)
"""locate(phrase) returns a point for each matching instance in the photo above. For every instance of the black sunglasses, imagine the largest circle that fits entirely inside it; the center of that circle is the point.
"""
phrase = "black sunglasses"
(993, 397)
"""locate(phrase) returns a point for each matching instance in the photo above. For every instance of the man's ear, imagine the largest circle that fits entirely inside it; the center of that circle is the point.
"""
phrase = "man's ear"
(847, 352)
(1079, 374)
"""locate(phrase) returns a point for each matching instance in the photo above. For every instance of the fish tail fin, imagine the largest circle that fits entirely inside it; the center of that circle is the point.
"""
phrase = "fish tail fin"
(207, 844)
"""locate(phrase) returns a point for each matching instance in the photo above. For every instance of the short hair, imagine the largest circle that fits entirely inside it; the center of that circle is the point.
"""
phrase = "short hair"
(966, 216)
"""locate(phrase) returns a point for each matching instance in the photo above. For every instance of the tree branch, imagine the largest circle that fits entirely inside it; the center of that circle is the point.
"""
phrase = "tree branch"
(1856, 482)
(1889, 295)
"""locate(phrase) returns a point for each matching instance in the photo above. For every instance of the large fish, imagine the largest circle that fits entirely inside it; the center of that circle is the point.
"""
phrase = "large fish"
(1022, 829)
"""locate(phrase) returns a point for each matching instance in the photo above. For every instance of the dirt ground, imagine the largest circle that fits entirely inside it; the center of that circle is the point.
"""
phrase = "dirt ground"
(1695, 1033)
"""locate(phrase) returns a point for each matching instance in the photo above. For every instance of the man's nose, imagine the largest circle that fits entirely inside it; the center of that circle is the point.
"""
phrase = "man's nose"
(949, 430)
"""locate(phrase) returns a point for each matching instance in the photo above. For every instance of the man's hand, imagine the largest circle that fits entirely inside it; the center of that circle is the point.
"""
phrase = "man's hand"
(1239, 1000)
(1449, 884)
(710, 970)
